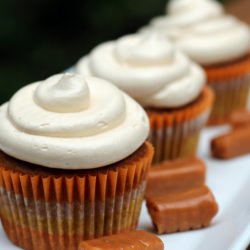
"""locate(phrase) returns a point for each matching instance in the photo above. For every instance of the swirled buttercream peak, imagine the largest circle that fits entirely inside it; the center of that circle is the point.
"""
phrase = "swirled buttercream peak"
(148, 67)
(72, 122)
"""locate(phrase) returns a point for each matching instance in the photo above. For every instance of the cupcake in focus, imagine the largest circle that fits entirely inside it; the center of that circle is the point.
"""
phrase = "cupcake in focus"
(74, 162)
(164, 81)
(220, 43)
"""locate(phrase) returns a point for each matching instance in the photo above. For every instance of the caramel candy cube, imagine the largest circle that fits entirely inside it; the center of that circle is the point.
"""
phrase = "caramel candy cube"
(233, 144)
(176, 176)
(134, 240)
(240, 118)
(192, 209)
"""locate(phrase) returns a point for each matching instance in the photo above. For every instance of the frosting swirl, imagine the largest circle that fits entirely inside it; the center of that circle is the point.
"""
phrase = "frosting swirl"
(72, 122)
(188, 12)
(202, 30)
(148, 68)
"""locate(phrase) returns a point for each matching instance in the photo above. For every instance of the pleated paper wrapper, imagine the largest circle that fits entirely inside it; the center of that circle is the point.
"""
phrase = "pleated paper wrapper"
(175, 133)
(230, 83)
(51, 211)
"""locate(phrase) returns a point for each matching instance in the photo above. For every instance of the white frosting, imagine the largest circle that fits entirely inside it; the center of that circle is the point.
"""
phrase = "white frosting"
(202, 30)
(148, 68)
(189, 12)
(72, 122)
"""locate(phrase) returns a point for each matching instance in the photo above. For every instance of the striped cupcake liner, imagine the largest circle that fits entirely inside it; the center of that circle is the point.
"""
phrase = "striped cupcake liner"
(230, 95)
(175, 134)
(230, 83)
(51, 212)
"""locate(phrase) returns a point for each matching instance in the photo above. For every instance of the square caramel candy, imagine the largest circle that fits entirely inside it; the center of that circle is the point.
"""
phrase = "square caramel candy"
(176, 176)
(134, 240)
(182, 211)
(233, 144)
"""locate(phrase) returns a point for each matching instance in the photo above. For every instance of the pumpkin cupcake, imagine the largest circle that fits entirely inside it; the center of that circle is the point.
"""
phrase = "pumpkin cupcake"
(169, 86)
(218, 42)
(73, 162)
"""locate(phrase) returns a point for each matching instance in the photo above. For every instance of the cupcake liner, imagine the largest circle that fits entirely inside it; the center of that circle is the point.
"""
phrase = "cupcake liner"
(231, 95)
(228, 71)
(230, 83)
(57, 211)
(175, 133)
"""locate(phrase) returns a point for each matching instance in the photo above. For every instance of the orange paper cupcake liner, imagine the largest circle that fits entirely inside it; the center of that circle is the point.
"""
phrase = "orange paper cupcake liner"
(230, 83)
(44, 209)
(175, 133)
(228, 71)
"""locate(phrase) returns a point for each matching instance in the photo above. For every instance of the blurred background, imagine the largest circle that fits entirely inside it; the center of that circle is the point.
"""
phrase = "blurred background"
(43, 37)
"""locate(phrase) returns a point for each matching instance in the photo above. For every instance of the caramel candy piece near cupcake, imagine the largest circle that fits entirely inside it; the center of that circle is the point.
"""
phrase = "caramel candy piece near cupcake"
(136, 240)
(233, 144)
(176, 176)
(240, 118)
(183, 211)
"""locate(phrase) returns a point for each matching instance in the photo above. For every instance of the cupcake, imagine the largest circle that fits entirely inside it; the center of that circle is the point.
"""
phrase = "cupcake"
(73, 162)
(169, 86)
(218, 42)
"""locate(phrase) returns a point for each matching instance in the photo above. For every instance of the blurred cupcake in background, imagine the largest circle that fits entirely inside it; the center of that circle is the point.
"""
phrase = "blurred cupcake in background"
(74, 162)
(218, 42)
(164, 81)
